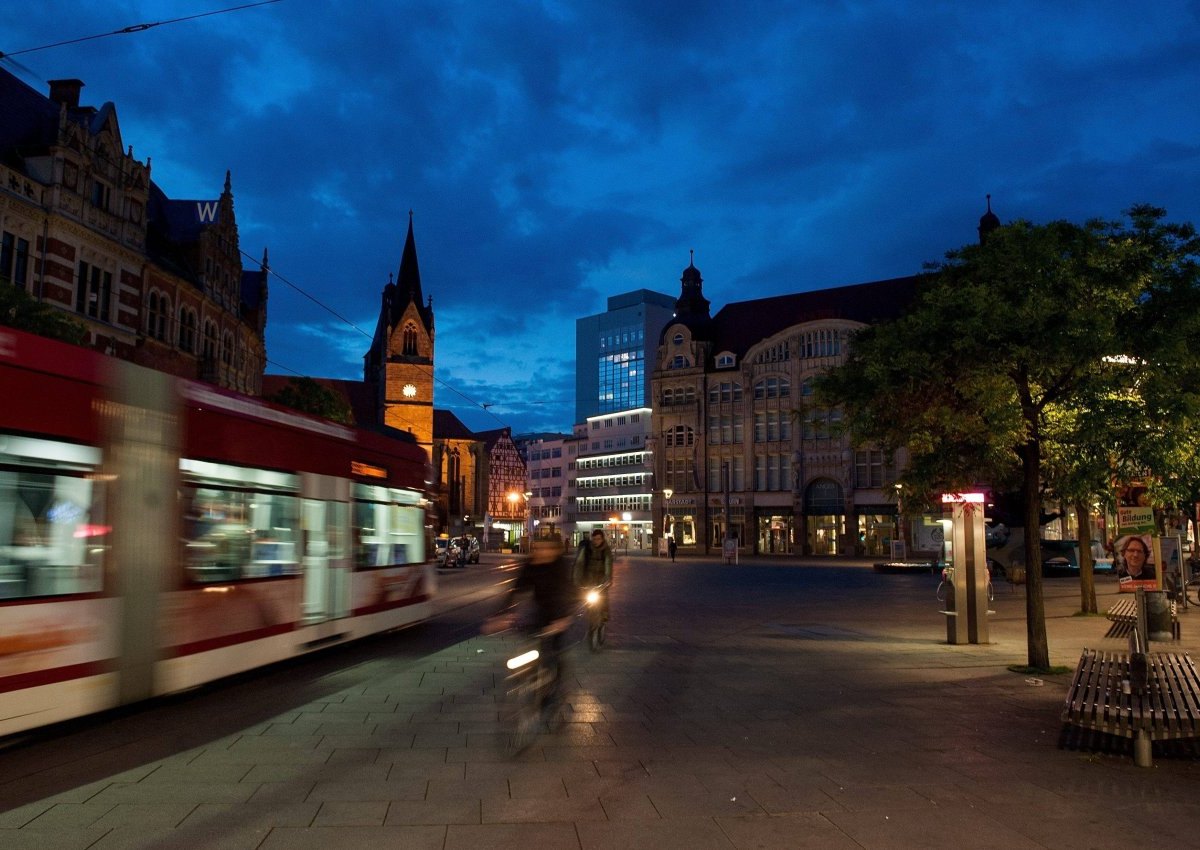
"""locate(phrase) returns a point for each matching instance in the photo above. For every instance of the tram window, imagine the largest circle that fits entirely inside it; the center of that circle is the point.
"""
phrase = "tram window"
(52, 533)
(388, 535)
(235, 534)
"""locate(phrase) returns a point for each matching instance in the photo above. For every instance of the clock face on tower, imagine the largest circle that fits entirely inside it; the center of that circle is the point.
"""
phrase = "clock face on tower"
(409, 391)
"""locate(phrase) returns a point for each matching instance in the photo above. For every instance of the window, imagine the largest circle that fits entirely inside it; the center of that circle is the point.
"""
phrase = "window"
(100, 194)
(869, 469)
(410, 340)
(94, 291)
(187, 330)
(769, 388)
(227, 349)
(724, 361)
(14, 260)
(821, 343)
(677, 339)
(51, 520)
(210, 341)
(156, 319)
(679, 436)
(679, 362)
(231, 534)
(388, 531)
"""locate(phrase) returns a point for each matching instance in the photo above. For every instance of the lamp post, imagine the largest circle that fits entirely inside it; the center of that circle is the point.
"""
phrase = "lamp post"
(626, 518)
(529, 515)
(512, 498)
(667, 532)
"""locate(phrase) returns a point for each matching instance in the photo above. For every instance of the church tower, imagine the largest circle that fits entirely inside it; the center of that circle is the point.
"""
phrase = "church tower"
(399, 364)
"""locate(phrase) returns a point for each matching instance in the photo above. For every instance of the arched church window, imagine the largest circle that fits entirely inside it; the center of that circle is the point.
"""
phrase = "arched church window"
(409, 344)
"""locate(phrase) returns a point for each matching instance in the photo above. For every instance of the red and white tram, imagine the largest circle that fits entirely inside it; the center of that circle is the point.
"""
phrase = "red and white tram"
(158, 533)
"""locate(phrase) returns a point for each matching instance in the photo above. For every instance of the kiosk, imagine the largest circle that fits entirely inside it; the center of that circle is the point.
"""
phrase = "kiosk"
(967, 598)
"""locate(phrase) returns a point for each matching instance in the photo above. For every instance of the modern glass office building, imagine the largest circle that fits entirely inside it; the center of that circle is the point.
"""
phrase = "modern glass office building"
(614, 352)
(611, 480)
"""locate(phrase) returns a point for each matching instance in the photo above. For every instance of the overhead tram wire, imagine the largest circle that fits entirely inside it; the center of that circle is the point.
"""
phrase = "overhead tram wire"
(139, 28)
(484, 407)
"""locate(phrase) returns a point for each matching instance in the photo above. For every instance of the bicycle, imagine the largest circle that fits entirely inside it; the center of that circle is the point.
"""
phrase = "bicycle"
(532, 686)
(593, 601)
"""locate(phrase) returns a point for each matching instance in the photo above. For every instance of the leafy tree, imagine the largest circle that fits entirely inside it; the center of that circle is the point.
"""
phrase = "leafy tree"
(308, 396)
(18, 310)
(1000, 360)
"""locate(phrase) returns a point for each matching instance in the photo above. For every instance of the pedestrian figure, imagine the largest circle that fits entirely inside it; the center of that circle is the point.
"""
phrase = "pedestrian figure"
(671, 548)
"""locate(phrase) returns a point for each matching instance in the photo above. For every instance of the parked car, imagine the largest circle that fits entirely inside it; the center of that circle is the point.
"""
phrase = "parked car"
(1060, 558)
(446, 552)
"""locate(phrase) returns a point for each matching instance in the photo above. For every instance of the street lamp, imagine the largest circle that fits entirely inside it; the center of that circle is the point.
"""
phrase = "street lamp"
(512, 497)
(667, 532)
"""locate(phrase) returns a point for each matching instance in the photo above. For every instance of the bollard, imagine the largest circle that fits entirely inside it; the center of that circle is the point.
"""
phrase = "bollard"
(1158, 615)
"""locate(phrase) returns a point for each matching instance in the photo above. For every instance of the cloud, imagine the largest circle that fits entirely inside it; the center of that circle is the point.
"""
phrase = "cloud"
(555, 154)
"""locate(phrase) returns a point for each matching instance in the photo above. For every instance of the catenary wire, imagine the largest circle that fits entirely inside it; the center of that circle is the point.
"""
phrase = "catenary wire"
(138, 28)
(273, 273)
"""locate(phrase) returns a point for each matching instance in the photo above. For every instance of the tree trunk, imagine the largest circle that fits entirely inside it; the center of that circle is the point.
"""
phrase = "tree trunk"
(1087, 567)
(1035, 609)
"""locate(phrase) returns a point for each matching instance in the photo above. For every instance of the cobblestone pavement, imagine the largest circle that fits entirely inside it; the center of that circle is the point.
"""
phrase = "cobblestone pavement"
(773, 704)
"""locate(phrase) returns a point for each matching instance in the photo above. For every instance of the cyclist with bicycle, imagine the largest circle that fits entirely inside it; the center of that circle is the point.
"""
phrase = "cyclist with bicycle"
(545, 578)
(593, 568)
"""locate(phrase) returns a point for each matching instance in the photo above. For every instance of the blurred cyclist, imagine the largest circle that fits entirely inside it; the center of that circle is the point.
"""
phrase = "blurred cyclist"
(546, 576)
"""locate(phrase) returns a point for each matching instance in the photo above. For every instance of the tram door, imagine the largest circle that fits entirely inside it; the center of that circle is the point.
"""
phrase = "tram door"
(323, 523)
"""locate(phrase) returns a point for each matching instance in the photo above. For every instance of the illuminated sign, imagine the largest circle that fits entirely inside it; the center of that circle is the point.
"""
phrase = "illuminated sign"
(367, 470)
(958, 498)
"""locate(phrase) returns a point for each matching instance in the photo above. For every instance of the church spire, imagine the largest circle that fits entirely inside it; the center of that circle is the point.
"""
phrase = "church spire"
(409, 277)
(408, 282)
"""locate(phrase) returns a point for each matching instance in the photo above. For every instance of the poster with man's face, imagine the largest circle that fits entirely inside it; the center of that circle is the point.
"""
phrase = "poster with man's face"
(1135, 561)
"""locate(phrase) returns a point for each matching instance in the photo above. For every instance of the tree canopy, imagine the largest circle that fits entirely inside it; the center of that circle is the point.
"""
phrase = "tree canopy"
(308, 396)
(18, 310)
(1040, 357)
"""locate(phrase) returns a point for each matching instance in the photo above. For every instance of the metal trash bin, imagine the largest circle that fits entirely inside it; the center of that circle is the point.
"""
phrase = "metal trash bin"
(1158, 615)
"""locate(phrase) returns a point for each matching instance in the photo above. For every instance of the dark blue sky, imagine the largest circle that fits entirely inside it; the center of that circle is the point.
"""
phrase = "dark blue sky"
(557, 153)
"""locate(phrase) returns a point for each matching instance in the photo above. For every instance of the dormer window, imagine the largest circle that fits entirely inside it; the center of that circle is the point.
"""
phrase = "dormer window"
(100, 195)
(725, 361)
(677, 339)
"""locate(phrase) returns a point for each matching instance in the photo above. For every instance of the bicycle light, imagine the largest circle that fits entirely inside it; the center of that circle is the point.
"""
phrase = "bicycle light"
(593, 596)
(522, 659)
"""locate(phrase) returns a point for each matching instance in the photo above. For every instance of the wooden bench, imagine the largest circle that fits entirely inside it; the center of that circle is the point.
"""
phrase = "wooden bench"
(1123, 614)
(1157, 702)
